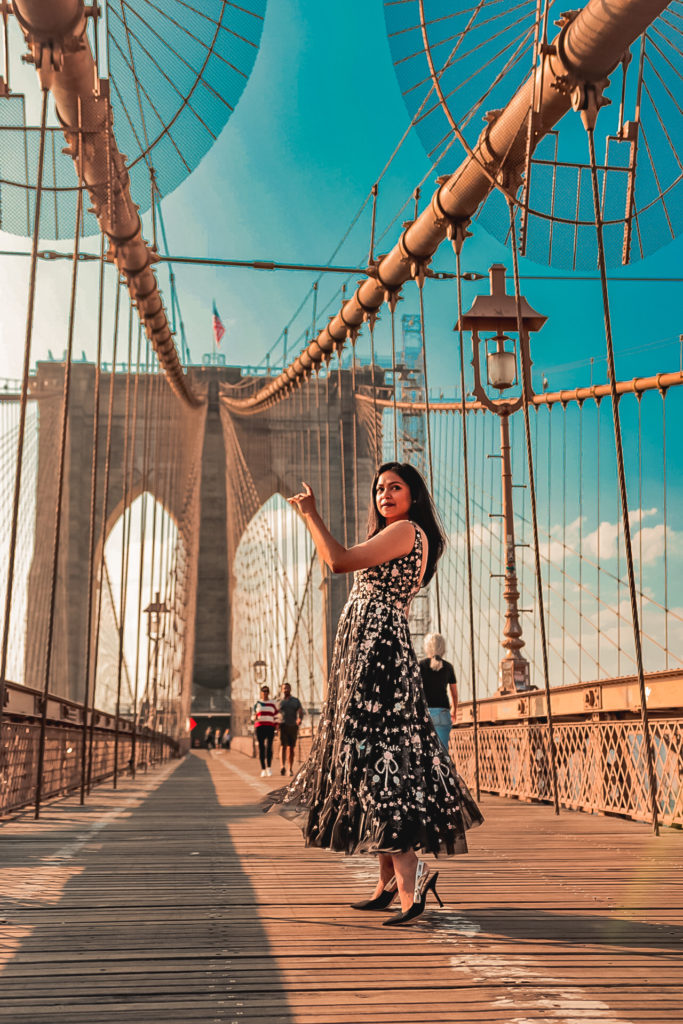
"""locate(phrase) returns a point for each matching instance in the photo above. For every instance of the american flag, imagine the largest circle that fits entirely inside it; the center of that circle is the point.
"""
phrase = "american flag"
(217, 324)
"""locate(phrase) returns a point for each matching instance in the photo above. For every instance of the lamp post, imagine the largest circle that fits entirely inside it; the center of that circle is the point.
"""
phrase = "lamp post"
(260, 672)
(156, 627)
(497, 313)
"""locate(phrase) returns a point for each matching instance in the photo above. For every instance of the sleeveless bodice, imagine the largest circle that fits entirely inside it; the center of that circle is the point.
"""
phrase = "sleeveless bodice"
(395, 582)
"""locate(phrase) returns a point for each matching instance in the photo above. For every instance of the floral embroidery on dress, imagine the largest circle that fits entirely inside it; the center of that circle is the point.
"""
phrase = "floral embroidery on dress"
(377, 779)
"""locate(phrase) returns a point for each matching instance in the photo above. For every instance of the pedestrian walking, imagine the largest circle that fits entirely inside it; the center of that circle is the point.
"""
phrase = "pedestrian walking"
(440, 686)
(378, 779)
(265, 718)
(291, 715)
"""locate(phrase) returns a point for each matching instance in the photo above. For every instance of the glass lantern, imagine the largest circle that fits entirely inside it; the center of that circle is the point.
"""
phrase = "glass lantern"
(501, 362)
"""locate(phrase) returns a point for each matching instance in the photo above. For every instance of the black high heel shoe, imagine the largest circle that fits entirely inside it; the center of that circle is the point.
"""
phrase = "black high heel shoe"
(381, 902)
(422, 886)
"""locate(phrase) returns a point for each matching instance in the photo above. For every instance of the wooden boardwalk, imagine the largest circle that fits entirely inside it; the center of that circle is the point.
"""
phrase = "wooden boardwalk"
(174, 899)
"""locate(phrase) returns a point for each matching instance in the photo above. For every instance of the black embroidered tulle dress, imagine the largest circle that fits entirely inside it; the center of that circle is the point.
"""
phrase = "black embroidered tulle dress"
(377, 779)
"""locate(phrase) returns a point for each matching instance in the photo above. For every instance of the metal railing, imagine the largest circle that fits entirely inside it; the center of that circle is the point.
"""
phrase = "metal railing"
(601, 765)
(65, 736)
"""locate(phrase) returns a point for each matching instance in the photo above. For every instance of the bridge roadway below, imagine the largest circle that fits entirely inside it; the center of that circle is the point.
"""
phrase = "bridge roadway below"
(175, 899)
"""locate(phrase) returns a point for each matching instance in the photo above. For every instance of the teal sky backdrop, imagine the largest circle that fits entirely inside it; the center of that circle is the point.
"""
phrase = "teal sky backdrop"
(316, 123)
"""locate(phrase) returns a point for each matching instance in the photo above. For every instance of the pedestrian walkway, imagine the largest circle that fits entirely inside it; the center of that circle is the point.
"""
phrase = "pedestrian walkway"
(173, 899)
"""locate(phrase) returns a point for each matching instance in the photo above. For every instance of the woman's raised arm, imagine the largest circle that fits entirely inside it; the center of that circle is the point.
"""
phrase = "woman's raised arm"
(393, 541)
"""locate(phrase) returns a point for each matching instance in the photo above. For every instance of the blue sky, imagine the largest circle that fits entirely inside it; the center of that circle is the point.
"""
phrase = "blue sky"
(316, 123)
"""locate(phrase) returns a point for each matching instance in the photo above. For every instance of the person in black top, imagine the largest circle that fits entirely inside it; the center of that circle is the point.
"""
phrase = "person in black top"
(438, 679)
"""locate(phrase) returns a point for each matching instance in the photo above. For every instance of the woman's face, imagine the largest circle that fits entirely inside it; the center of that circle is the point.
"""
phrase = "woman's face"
(392, 497)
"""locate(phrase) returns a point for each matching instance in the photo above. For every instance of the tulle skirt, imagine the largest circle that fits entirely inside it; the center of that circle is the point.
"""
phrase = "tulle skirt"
(377, 780)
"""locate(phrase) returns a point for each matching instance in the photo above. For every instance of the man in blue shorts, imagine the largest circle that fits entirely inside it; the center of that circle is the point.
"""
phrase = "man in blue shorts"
(291, 714)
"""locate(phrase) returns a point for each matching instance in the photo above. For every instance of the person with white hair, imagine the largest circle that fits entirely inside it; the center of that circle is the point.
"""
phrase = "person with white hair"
(438, 679)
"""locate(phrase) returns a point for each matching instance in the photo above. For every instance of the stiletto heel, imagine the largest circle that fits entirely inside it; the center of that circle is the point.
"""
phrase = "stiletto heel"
(381, 902)
(417, 907)
(431, 884)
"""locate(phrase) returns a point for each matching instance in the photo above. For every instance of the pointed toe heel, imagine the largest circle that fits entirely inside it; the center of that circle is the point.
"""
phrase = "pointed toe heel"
(381, 902)
(418, 905)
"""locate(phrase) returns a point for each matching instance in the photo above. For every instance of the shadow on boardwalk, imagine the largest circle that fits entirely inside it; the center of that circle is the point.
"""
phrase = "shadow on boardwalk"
(176, 900)
(130, 921)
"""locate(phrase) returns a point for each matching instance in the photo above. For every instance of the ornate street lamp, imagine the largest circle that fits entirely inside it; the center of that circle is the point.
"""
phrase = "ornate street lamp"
(156, 629)
(260, 672)
(497, 313)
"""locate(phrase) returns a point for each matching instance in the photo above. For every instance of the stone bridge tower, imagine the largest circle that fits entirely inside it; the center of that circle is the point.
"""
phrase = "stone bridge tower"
(194, 449)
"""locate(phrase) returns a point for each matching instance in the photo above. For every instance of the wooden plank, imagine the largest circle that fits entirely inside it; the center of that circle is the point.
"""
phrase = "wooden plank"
(174, 899)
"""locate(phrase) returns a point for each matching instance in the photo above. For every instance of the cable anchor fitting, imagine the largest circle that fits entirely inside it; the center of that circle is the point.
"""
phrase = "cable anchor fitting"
(587, 98)
(456, 228)
(418, 264)
(370, 313)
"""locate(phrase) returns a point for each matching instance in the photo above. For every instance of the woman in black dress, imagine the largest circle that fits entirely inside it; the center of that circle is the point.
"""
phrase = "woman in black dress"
(378, 780)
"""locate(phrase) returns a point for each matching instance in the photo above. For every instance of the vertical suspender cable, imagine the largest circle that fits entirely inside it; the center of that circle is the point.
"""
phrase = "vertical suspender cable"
(125, 523)
(564, 539)
(92, 527)
(647, 739)
(141, 567)
(342, 457)
(354, 424)
(60, 474)
(103, 534)
(375, 413)
(597, 491)
(639, 397)
(666, 545)
(371, 254)
(526, 371)
(430, 461)
(371, 324)
(11, 555)
(580, 404)
(392, 306)
(468, 531)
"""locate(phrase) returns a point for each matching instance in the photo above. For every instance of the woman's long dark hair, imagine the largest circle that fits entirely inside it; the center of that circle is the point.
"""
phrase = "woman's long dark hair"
(422, 512)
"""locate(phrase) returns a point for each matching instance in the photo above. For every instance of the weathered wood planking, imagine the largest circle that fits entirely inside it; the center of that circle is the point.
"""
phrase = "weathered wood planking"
(174, 899)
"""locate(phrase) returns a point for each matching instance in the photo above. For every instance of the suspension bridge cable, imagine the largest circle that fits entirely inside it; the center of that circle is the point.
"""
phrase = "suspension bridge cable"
(105, 511)
(92, 521)
(28, 339)
(622, 475)
(419, 280)
(391, 300)
(128, 444)
(526, 376)
(143, 537)
(581, 522)
(60, 475)
(468, 523)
